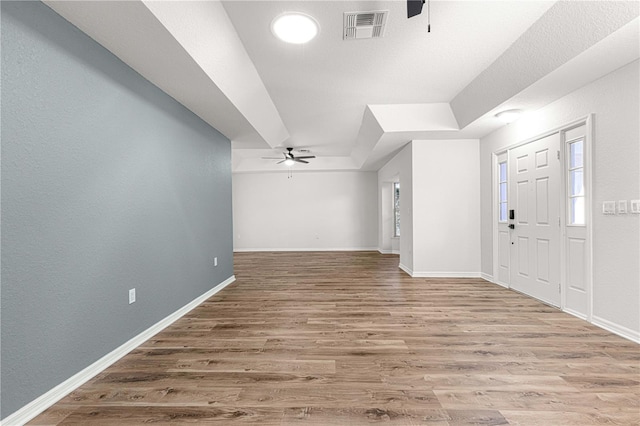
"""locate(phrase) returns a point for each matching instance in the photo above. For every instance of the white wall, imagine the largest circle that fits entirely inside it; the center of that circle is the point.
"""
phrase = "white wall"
(446, 208)
(399, 169)
(614, 99)
(439, 207)
(395, 245)
(309, 211)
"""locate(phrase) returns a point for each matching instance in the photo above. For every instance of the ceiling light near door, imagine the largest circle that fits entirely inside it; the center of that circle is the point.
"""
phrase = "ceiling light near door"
(294, 27)
(510, 115)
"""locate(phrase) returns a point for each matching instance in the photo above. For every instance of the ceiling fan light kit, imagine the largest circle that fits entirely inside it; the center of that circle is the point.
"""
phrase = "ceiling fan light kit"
(290, 159)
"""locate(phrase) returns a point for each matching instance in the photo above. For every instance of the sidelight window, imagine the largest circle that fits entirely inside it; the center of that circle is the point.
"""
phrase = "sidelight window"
(502, 191)
(576, 191)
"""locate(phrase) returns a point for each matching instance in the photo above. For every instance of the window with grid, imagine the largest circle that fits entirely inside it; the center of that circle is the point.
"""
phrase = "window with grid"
(502, 191)
(576, 199)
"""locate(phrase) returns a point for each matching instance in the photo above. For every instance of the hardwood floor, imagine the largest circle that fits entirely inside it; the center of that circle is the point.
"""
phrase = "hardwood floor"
(348, 339)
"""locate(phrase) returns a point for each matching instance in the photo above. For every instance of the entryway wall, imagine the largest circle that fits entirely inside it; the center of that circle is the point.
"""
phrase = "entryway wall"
(439, 207)
(614, 102)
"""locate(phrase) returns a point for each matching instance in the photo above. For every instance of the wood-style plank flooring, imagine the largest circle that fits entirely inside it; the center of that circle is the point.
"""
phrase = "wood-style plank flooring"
(348, 339)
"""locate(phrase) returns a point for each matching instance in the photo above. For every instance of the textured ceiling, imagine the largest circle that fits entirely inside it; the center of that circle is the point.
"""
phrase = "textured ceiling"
(355, 103)
(321, 89)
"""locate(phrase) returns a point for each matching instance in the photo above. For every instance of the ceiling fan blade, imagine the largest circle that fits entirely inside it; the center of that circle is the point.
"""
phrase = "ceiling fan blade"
(298, 160)
(307, 156)
(414, 7)
(281, 161)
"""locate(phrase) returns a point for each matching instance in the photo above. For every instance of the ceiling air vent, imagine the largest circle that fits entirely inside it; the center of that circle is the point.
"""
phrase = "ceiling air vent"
(364, 24)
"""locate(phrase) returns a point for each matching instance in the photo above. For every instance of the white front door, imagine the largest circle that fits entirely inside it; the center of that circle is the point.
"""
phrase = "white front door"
(534, 192)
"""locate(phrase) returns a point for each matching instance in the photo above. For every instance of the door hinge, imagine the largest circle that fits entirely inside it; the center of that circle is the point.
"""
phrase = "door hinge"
(558, 152)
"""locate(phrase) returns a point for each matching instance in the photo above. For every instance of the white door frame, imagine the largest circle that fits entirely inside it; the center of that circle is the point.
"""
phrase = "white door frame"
(588, 180)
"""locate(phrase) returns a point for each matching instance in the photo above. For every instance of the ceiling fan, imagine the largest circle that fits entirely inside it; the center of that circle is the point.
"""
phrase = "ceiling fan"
(290, 159)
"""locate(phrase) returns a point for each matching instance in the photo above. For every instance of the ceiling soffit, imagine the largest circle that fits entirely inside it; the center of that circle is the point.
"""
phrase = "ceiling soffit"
(169, 43)
(559, 53)
(565, 31)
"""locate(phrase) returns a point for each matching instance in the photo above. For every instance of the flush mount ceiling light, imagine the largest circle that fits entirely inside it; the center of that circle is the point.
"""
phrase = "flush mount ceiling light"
(294, 27)
(510, 115)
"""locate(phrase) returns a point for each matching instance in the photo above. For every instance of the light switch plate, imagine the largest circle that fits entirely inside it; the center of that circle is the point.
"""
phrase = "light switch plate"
(622, 206)
(635, 206)
(609, 207)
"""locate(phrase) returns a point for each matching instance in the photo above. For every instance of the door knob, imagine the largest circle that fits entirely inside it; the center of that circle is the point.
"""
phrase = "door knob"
(512, 226)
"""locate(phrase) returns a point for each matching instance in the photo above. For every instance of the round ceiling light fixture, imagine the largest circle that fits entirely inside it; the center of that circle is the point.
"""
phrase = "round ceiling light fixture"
(289, 162)
(295, 27)
(510, 115)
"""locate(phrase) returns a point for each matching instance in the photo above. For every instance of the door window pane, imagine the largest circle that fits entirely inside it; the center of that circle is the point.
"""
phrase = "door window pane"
(503, 172)
(503, 192)
(577, 211)
(576, 179)
(576, 190)
(575, 154)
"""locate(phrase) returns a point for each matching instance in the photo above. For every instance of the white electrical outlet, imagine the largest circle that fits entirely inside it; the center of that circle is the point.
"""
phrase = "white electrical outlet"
(132, 295)
(609, 207)
(215, 261)
(622, 206)
(635, 206)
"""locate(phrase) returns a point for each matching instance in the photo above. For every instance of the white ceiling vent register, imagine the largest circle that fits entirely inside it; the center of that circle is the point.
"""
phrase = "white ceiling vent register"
(364, 24)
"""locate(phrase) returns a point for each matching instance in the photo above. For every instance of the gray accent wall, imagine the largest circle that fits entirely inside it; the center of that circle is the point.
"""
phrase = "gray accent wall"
(107, 184)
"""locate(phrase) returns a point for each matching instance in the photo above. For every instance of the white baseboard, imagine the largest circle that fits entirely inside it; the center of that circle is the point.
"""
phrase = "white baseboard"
(575, 313)
(493, 280)
(487, 277)
(244, 250)
(419, 274)
(618, 329)
(38, 405)
(406, 269)
(388, 251)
